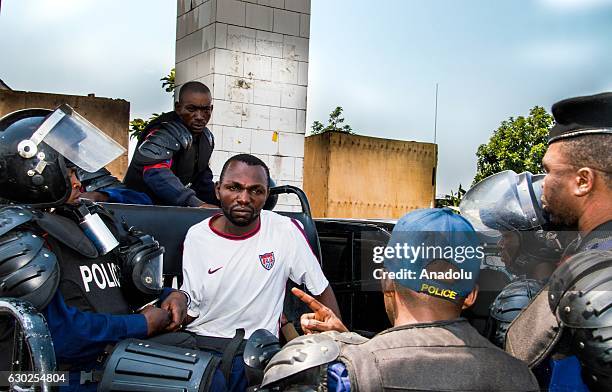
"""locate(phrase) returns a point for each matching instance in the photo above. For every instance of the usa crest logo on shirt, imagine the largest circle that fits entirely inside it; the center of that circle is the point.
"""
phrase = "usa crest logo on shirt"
(267, 260)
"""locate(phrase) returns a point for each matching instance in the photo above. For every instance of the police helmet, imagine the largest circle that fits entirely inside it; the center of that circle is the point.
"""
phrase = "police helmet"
(35, 145)
(511, 202)
(40, 180)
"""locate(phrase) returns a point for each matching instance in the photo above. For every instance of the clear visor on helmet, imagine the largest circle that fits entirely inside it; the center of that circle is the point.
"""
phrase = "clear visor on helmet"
(504, 201)
(151, 275)
(78, 140)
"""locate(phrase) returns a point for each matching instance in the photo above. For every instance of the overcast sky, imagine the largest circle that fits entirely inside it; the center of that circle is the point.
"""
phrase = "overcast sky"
(380, 60)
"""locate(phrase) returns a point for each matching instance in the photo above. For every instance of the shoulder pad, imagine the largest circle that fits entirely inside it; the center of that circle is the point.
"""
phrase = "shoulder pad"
(513, 298)
(12, 217)
(573, 269)
(68, 233)
(260, 348)
(347, 337)
(180, 132)
(97, 180)
(588, 302)
(83, 175)
(17, 249)
(163, 142)
(300, 354)
(209, 135)
(35, 282)
(593, 348)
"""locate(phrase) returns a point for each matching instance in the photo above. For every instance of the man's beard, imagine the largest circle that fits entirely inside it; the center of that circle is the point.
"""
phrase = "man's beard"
(240, 222)
(560, 214)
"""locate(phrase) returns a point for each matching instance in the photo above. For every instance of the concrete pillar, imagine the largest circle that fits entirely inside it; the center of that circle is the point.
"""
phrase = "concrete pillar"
(254, 57)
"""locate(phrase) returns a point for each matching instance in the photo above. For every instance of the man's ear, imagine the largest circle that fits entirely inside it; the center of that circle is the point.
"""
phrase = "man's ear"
(387, 286)
(584, 181)
(177, 106)
(471, 298)
(217, 188)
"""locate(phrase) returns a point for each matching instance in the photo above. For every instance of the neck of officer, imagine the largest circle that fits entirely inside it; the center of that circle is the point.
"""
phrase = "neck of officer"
(596, 211)
(224, 225)
(423, 309)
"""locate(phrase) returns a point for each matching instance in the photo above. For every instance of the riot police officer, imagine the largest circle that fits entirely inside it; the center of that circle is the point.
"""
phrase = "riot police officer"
(171, 162)
(429, 347)
(577, 194)
(578, 184)
(70, 258)
(508, 206)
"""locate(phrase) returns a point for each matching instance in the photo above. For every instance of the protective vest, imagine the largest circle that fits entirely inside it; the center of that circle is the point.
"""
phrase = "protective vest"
(187, 164)
(88, 281)
(536, 333)
(190, 161)
(448, 355)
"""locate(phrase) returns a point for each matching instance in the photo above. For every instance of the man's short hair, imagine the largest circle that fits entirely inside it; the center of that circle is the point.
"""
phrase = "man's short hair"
(591, 151)
(193, 87)
(249, 160)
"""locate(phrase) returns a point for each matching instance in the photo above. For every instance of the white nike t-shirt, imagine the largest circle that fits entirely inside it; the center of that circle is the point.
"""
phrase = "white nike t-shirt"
(239, 281)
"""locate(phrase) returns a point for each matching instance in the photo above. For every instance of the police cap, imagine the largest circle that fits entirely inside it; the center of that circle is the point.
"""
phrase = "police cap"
(579, 116)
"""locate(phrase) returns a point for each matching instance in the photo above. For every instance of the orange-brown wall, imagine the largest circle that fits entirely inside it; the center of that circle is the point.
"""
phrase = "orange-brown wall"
(110, 115)
(351, 176)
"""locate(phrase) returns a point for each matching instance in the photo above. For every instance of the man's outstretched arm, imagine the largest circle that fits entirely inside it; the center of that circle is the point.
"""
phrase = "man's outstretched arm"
(328, 299)
(322, 319)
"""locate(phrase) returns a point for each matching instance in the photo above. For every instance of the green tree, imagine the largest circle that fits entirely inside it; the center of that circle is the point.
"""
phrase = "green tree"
(335, 124)
(168, 81)
(518, 144)
(452, 199)
(138, 125)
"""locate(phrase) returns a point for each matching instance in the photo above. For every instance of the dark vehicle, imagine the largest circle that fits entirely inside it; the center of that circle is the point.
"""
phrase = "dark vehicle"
(345, 248)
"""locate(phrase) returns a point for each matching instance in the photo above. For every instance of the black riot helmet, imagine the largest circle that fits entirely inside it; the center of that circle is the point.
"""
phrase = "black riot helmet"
(35, 145)
(511, 202)
(506, 201)
(41, 180)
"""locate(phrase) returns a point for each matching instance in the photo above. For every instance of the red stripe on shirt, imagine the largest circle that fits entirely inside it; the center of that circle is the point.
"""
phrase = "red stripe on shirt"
(234, 237)
(295, 222)
(161, 165)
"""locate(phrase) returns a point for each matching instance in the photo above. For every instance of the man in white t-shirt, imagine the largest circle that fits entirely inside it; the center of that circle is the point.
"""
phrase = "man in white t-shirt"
(236, 264)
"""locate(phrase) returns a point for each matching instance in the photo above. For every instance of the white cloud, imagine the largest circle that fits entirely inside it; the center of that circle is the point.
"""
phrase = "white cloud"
(559, 54)
(575, 5)
(55, 11)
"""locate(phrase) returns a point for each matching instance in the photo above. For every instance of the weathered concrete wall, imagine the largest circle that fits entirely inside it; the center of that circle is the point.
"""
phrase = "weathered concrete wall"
(253, 55)
(110, 115)
(350, 176)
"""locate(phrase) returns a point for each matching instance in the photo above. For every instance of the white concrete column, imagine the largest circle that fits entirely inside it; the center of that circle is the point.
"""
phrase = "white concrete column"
(253, 55)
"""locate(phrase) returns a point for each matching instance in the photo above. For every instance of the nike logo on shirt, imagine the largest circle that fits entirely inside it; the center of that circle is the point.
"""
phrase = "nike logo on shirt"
(212, 271)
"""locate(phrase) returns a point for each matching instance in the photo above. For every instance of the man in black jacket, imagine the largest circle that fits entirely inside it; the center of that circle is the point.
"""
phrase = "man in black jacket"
(171, 161)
